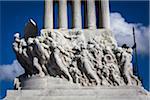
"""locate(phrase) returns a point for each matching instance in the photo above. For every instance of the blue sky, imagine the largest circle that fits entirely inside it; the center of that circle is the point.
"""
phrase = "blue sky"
(14, 15)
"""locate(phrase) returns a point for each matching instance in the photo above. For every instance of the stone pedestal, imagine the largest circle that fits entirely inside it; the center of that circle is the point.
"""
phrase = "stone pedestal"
(73, 69)
(50, 88)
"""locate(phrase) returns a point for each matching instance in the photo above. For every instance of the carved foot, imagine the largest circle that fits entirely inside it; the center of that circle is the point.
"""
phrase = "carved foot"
(41, 74)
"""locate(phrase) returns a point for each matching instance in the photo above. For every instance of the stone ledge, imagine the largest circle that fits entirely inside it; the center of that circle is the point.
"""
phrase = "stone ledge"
(78, 98)
(115, 91)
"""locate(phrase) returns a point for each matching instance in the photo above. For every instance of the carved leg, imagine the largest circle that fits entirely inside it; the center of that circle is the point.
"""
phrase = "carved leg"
(60, 64)
(44, 68)
(37, 65)
(89, 70)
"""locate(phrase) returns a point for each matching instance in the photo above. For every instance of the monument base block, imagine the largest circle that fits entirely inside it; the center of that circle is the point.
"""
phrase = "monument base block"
(50, 88)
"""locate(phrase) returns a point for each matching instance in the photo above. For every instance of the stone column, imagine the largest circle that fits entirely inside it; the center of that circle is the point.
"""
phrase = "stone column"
(104, 16)
(63, 22)
(77, 22)
(48, 14)
(91, 14)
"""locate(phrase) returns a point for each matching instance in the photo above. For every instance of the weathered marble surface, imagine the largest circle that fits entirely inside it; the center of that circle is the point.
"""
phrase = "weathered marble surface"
(55, 88)
(98, 93)
(86, 57)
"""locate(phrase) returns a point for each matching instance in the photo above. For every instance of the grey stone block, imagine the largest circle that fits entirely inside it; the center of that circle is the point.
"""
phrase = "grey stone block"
(88, 93)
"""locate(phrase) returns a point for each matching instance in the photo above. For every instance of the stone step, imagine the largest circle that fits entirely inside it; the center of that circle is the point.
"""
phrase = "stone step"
(41, 83)
(88, 93)
(46, 80)
(78, 92)
(50, 86)
(77, 98)
(73, 86)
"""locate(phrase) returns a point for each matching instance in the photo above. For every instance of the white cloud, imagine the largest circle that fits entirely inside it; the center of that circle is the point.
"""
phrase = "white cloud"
(10, 71)
(123, 33)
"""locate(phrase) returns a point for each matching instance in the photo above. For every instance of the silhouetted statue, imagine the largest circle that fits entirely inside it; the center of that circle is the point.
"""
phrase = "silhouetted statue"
(30, 30)
(125, 46)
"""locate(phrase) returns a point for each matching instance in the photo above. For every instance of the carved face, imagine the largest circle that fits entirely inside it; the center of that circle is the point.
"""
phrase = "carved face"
(30, 40)
(36, 41)
(129, 50)
(16, 35)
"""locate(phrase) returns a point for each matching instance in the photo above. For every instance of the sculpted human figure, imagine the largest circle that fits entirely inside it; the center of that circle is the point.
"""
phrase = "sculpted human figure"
(38, 66)
(42, 54)
(76, 74)
(42, 50)
(60, 64)
(114, 74)
(127, 66)
(89, 66)
(84, 57)
(17, 84)
(23, 47)
(96, 51)
(16, 42)
(34, 57)
(19, 44)
(105, 76)
(59, 52)
(20, 48)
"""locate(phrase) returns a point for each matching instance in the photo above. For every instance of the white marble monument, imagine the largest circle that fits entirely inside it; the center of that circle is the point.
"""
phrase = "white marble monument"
(76, 63)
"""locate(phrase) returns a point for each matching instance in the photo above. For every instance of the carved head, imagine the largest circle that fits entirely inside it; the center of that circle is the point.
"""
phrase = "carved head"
(16, 35)
(30, 41)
